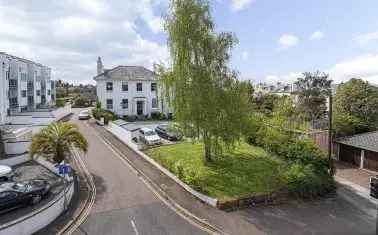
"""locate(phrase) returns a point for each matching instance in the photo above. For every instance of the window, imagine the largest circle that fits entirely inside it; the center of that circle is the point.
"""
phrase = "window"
(125, 86)
(23, 93)
(109, 104)
(48, 92)
(38, 92)
(139, 86)
(109, 86)
(125, 103)
(153, 86)
(154, 103)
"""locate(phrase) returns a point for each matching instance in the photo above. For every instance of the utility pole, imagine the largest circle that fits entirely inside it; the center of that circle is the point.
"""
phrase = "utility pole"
(330, 132)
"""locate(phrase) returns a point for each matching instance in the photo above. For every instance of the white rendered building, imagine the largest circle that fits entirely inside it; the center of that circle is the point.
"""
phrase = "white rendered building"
(128, 91)
(24, 85)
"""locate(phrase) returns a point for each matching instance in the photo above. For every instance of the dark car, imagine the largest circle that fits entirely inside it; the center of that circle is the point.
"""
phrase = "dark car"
(167, 132)
(17, 194)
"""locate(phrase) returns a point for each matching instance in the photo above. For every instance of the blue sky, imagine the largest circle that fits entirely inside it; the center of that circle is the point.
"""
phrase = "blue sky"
(277, 39)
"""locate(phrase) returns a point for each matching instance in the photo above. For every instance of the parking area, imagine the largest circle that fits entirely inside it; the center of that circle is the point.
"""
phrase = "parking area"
(27, 171)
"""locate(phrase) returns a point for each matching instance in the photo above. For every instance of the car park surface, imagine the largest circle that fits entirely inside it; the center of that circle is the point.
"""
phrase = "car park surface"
(27, 171)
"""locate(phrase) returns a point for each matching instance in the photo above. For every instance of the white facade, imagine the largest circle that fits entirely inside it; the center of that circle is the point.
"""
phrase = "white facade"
(24, 85)
(128, 91)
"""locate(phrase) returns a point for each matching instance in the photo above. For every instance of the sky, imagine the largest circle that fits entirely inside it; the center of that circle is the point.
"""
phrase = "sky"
(278, 39)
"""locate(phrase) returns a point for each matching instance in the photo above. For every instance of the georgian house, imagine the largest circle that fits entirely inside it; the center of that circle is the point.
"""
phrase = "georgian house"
(128, 91)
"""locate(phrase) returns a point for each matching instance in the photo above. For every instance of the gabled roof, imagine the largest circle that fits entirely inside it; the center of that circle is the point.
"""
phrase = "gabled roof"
(136, 73)
(368, 141)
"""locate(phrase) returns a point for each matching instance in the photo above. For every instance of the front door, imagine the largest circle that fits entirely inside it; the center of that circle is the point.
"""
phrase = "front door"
(139, 108)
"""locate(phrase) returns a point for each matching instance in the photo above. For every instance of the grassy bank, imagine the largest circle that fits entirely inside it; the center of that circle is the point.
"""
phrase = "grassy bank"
(243, 171)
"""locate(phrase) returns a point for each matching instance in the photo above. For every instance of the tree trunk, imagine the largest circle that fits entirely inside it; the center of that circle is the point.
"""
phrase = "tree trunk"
(207, 143)
(2, 149)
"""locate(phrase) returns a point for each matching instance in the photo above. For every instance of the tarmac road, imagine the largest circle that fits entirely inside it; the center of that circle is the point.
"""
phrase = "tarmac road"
(124, 204)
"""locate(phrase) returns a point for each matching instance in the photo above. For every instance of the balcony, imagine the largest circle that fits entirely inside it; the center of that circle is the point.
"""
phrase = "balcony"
(13, 83)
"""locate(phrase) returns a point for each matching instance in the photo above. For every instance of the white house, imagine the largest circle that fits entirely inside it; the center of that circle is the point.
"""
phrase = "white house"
(128, 90)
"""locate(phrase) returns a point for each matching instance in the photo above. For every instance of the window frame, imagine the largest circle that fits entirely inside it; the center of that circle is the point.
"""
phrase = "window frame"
(125, 105)
(156, 103)
(109, 105)
(153, 86)
(141, 87)
(109, 86)
(125, 84)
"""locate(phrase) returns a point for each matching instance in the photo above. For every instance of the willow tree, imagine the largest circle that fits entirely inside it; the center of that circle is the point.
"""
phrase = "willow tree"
(206, 96)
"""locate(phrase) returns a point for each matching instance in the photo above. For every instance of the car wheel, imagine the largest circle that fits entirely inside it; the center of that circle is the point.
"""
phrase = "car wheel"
(36, 199)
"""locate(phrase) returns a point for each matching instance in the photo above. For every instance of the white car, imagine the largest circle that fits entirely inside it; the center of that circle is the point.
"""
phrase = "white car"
(6, 173)
(148, 136)
(84, 115)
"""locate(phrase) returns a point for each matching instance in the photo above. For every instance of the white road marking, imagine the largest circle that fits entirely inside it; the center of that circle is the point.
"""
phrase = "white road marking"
(120, 155)
(134, 227)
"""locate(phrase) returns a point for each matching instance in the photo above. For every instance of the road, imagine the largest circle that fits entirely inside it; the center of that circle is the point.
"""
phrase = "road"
(124, 204)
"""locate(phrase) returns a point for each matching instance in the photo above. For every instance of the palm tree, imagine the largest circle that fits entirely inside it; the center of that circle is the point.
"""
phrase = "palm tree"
(55, 141)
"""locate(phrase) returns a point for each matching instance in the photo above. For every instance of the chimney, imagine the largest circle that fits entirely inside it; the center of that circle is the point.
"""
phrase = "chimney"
(100, 67)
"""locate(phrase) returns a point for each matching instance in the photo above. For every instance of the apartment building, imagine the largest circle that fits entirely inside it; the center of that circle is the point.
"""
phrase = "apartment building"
(24, 85)
(129, 91)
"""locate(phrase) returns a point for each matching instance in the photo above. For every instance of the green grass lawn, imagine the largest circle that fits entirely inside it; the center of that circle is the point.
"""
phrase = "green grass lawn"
(244, 171)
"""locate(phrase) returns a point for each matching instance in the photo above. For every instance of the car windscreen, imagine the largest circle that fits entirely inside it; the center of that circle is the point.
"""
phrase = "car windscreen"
(19, 187)
(149, 133)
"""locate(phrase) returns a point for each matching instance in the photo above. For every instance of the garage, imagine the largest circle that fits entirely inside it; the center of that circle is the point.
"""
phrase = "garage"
(360, 150)
(350, 154)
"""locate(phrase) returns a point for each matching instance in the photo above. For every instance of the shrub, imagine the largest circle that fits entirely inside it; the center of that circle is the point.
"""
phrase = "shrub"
(304, 181)
(60, 102)
(156, 115)
(107, 115)
(81, 102)
(273, 140)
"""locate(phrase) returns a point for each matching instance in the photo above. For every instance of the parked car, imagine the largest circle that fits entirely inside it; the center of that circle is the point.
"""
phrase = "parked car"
(84, 115)
(168, 132)
(148, 136)
(6, 173)
(17, 194)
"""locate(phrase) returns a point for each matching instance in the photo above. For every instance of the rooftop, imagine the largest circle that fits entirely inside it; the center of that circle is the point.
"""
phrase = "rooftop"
(367, 141)
(123, 72)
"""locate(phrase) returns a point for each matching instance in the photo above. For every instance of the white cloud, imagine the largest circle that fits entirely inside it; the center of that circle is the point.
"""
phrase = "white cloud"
(366, 38)
(287, 40)
(69, 35)
(238, 5)
(317, 35)
(364, 67)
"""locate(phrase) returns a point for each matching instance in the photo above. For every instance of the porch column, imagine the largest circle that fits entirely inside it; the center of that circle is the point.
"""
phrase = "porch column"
(362, 158)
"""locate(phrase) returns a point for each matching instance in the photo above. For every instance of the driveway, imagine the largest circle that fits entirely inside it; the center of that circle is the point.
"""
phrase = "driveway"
(124, 204)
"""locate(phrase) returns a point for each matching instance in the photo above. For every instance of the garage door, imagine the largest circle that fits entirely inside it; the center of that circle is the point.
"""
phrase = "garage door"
(371, 160)
(350, 154)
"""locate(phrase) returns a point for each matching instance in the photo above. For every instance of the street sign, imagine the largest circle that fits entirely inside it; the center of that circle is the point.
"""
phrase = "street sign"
(374, 187)
(64, 169)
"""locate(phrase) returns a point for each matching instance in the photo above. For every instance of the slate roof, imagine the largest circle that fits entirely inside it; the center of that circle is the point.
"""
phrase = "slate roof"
(136, 73)
(367, 141)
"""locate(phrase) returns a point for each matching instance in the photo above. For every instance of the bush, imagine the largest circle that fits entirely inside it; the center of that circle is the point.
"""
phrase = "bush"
(304, 181)
(107, 115)
(157, 116)
(273, 140)
(81, 102)
(60, 102)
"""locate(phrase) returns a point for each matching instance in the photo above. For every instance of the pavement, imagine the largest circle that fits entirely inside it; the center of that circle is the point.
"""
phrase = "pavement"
(126, 206)
(124, 203)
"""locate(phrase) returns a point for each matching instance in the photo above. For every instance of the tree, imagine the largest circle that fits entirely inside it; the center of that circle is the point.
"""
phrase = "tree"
(206, 96)
(355, 107)
(55, 141)
(313, 90)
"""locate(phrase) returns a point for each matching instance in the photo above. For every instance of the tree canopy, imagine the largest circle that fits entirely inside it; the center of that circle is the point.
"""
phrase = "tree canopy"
(206, 95)
(355, 107)
(313, 90)
(55, 140)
